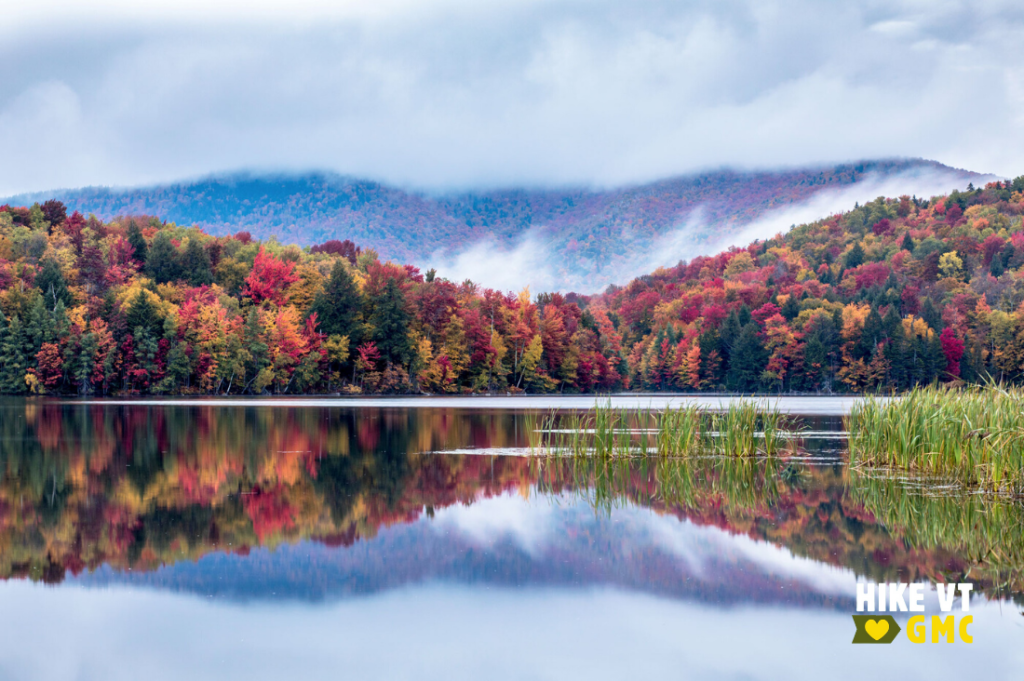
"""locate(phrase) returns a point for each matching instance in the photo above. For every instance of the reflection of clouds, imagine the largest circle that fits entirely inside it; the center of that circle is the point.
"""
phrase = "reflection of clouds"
(700, 545)
(535, 524)
(529, 523)
(453, 632)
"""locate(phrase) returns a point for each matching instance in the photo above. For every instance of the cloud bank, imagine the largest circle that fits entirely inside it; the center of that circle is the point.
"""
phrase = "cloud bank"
(534, 262)
(453, 93)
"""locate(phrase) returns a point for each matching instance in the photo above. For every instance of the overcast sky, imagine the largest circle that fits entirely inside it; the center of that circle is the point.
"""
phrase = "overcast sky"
(443, 94)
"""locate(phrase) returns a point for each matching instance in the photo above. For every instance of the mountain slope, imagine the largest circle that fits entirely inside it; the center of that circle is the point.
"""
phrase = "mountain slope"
(590, 237)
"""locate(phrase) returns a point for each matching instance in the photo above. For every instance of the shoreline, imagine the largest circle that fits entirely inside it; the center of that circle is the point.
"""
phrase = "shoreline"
(803, 405)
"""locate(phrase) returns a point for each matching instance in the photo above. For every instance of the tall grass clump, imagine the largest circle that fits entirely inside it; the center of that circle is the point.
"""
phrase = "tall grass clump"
(744, 429)
(975, 435)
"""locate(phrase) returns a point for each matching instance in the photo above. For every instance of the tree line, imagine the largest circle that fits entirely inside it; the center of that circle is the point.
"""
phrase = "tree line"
(895, 293)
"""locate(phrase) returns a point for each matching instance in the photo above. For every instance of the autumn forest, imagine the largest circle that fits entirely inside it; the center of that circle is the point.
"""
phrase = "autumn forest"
(895, 293)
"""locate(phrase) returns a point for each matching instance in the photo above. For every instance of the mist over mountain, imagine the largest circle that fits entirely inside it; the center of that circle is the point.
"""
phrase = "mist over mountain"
(554, 239)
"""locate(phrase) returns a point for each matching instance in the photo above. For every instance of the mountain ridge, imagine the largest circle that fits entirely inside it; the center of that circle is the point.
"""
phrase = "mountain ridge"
(596, 233)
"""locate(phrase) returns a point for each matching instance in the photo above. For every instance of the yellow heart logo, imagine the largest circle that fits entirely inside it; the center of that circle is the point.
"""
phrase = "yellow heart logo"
(876, 628)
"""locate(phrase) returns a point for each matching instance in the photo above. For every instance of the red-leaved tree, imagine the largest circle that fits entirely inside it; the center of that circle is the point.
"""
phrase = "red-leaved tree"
(269, 279)
(953, 348)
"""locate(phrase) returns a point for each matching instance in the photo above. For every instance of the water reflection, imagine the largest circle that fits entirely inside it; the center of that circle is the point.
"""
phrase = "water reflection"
(264, 496)
(208, 542)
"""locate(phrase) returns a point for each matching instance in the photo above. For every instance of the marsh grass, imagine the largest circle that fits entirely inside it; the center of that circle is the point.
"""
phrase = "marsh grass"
(974, 436)
(742, 430)
(984, 531)
(606, 483)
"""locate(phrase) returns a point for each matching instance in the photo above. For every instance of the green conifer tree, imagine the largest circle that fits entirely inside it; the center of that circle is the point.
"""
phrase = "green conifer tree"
(855, 256)
(141, 312)
(51, 283)
(747, 362)
(791, 308)
(338, 306)
(821, 354)
(137, 242)
(871, 335)
(710, 358)
(85, 363)
(162, 263)
(195, 264)
(931, 315)
(14, 361)
(390, 321)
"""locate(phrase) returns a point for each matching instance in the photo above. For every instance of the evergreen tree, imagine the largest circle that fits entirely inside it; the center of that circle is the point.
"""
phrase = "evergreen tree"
(895, 348)
(908, 243)
(821, 354)
(931, 316)
(710, 358)
(256, 345)
(3, 344)
(14, 361)
(179, 369)
(142, 313)
(162, 262)
(914, 361)
(1006, 254)
(892, 324)
(729, 332)
(996, 267)
(50, 281)
(390, 322)
(39, 327)
(195, 264)
(146, 349)
(871, 335)
(972, 366)
(791, 308)
(337, 306)
(138, 243)
(747, 362)
(855, 256)
(85, 362)
(744, 315)
(935, 365)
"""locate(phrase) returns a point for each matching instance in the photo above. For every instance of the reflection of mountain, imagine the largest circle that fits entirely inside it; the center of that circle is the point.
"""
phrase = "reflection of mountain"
(144, 487)
(584, 550)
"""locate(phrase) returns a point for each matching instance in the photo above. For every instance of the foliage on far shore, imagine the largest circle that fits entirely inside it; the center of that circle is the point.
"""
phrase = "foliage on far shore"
(893, 294)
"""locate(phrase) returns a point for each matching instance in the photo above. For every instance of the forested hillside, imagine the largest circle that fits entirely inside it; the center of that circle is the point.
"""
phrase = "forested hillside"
(589, 235)
(895, 293)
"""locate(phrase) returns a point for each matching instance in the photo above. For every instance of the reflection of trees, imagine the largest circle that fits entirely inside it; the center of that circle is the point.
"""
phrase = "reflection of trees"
(139, 487)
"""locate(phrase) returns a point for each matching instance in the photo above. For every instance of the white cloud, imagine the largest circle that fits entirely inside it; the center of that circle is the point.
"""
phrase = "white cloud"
(535, 262)
(452, 93)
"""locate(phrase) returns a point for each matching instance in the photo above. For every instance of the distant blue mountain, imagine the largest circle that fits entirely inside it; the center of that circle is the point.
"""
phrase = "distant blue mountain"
(592, 233)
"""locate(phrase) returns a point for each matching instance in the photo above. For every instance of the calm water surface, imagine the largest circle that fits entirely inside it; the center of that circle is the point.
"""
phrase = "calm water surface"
(411, 540)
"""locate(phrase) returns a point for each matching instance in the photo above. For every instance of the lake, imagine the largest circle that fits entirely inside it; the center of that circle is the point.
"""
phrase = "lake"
(420, 539)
